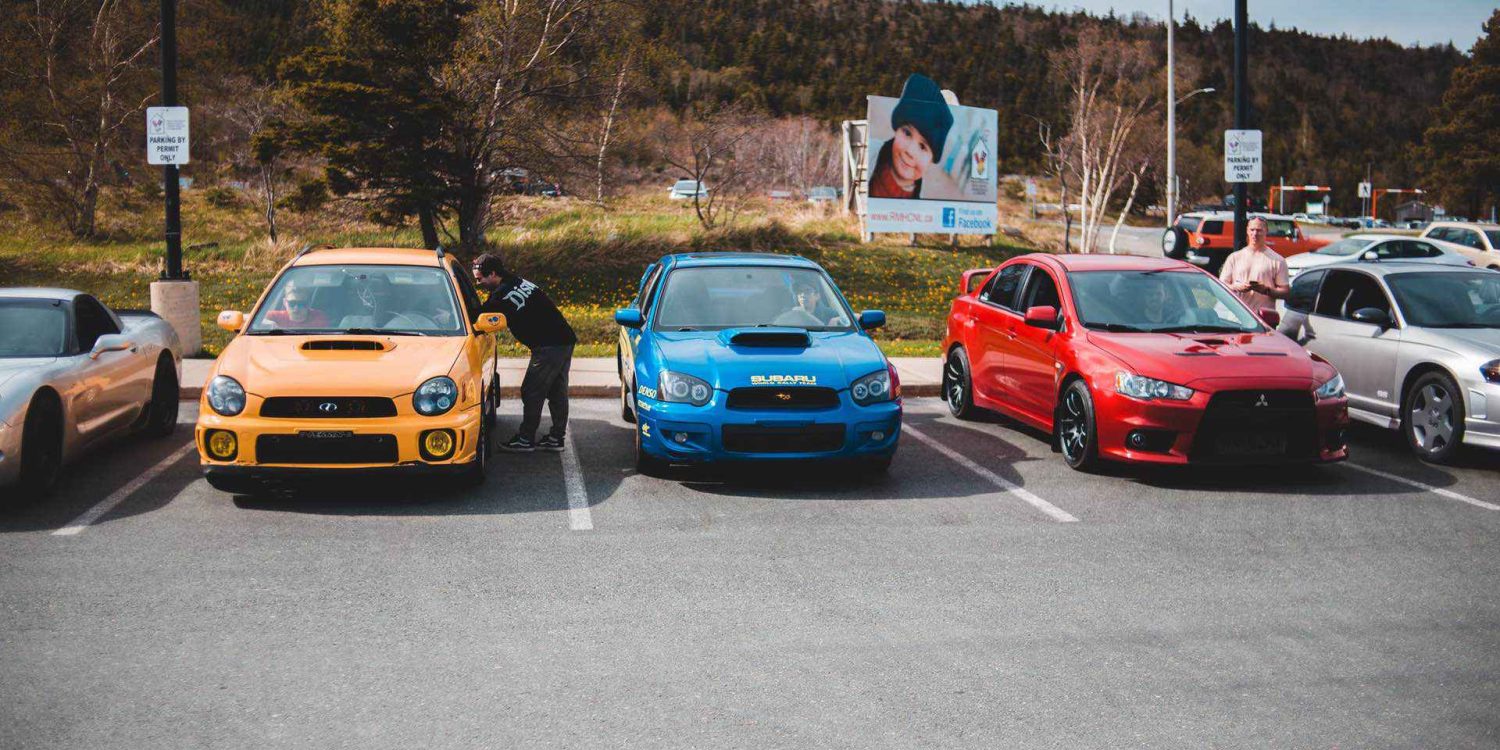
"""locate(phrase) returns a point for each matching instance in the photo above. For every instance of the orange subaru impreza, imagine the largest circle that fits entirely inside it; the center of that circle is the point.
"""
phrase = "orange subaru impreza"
(370, 360)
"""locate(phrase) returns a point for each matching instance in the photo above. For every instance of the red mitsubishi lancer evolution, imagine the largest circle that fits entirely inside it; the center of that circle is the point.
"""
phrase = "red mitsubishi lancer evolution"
(1145, 360)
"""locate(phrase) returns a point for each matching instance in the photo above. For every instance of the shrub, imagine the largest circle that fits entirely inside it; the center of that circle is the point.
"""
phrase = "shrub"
(307, 196)
(220, 196)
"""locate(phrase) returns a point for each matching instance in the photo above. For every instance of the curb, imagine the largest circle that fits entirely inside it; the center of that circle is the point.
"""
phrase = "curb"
(925, 390)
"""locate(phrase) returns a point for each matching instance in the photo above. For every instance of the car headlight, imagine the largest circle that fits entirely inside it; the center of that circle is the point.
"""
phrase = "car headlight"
(1332, 389)
(679, 388)
(226, 396)
(873, 388)
(1142, 387)
(1491, 371)
(436, 396)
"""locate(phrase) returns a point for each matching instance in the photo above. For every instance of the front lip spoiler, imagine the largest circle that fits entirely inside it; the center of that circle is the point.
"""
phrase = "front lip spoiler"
(241, 478)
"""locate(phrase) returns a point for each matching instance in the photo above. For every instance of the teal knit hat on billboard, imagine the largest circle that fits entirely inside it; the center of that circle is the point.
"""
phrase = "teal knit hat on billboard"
(922, 106)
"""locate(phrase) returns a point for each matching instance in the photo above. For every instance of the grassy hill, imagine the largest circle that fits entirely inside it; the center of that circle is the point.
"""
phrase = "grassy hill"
(589, 258)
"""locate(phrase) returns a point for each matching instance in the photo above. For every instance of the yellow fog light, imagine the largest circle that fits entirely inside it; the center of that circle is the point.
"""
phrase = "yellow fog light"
(437, 445)
(222, 445)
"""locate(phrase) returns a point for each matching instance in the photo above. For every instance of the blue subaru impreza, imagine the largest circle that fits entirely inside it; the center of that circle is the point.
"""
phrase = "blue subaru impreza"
(752, 357)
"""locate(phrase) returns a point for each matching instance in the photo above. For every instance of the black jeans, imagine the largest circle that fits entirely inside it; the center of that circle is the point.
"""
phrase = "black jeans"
(546, 380)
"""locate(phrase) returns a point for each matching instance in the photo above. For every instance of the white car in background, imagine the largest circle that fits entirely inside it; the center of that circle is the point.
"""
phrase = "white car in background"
(1367, 248)
(1480, 242)
(684, 189)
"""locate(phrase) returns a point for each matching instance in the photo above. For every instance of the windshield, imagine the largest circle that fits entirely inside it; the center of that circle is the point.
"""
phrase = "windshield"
(1448, 300)
(1494, 235)
(1159, 302)
(401, 300)
(1345, 247)
(713, 298)
(33, 328)
(686, 185)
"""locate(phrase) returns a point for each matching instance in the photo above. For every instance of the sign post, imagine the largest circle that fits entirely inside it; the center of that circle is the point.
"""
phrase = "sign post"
(1241, 118)
(174, 297)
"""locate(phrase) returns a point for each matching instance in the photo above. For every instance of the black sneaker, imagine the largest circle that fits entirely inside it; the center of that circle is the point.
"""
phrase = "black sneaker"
(549, 443)
(518, 444)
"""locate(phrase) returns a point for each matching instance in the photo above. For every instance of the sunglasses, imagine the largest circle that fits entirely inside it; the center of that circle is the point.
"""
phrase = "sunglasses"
(296, 303)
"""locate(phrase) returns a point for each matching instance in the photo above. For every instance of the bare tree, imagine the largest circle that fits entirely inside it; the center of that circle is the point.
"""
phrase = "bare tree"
(76, 77)
(607, 122)
(1111, 93)
(1058, 154)
(715, 148)
(798, 152)
(252, 109)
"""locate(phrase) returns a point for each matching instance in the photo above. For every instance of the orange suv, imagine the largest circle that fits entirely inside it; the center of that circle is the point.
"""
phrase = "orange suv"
(1206, 238)
(353, 360)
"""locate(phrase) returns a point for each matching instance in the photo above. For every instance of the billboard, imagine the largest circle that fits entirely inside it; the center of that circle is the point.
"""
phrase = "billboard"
(930, 165)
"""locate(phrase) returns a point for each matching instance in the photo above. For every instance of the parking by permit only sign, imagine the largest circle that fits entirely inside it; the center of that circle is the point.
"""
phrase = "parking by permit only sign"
(166, 135)
(1242, 156)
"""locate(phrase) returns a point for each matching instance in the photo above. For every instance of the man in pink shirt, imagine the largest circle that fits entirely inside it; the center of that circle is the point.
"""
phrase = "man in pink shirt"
(1255, 272)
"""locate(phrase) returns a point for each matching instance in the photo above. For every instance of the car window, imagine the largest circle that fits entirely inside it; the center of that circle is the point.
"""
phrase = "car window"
(1305, 291)
(1468, 299)
(1189, 223)
(643, 298)
(1493, 235)
(91, 321)
(1002, 289)
(717, 297)
(1212, 227)
(1436, 233)
(1041, 291)
(1468, 237)
(1415, 249)
(33, 328)
(1149, 301)
(466, 290)
(1344, 292)
(1345, 247)
(402, 300)
(1280, 228)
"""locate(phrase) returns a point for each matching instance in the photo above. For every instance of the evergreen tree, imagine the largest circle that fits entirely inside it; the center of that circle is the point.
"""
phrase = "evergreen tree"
(1463, 144)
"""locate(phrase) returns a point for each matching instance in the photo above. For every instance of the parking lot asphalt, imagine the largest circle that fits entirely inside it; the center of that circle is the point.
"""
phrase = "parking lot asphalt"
(570, 602)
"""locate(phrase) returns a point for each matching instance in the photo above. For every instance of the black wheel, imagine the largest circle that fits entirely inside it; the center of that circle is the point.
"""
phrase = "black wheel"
(161, 419)
(1076, 436)
(1174, 243)
(645, 463)
(958, 385)
(41, 449)
(1433, 418)
(473, 476)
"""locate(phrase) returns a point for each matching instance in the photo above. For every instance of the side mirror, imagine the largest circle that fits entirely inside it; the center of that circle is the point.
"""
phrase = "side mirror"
(232, 320)
(1373, 316)
(489, 323)
(630, 317)
(1271, 317)
(1043, 316)
(110, 342)
(869, 320)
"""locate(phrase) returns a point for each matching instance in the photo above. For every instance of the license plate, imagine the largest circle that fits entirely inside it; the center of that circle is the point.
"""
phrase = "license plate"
(325, 434)
(1251, 444)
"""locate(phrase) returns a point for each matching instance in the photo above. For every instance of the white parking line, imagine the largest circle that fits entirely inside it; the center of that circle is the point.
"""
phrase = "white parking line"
(1451, 495)
(1057, 514)
(115, 498)
(579, 517)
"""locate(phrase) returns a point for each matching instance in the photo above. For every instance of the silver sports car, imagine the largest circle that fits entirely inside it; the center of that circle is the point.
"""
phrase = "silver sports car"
(1418, 346)
(73, 373)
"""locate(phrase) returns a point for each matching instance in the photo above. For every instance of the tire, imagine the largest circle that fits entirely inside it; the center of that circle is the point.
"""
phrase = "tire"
(473, 476)
(1174, 243)
(161, 419)
(1075, 427)
(958, 385)
(41, 449)
(1432, 418)
(645, 463)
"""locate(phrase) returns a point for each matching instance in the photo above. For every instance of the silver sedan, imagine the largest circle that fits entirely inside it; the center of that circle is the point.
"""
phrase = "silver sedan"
(1418, 346)
(74, 373)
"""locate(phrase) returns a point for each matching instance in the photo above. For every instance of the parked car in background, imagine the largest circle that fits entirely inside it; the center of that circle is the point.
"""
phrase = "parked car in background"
(1418, 345)
(823, 194)
(1480, 242)
(74, 373)
(1205, 239)
(1367, 248)
(1144, 360)
(686, 189)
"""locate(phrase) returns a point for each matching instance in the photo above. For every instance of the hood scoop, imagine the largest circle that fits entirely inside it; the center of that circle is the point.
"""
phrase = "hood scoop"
(345, 345)
(784, 338)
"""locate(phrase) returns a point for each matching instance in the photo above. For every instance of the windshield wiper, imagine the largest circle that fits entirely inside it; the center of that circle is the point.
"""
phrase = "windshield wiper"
(685, 329)
(1201, 329)
(1462, 325)
(1113, 327)
(285, 332)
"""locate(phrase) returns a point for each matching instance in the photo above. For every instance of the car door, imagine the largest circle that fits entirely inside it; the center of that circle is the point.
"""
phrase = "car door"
(1031, 359)
(995, 319)
(1364, 354)
(486, 353)
(105, 398)
(630, 338)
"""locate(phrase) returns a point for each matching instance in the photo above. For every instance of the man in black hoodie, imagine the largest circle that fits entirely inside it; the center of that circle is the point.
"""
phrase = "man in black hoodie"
(540, 327)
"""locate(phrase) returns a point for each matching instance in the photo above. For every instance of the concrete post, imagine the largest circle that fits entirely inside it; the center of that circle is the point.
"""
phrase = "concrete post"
(177, 303)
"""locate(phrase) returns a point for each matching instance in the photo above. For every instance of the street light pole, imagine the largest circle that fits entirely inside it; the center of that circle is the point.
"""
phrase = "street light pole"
(169, 172)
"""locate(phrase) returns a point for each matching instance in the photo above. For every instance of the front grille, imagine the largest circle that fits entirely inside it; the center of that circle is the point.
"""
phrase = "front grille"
(1257, 427)
(818, 438)
(352, 449)
(801, 397)
(327, 407)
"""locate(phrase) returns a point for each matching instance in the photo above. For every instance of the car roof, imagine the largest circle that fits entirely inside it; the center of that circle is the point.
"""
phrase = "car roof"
(1111, 262)
(1463, 224)
(736, 259)
(39, 292)
(1391, 267)
(1229, 215)
(344, 256)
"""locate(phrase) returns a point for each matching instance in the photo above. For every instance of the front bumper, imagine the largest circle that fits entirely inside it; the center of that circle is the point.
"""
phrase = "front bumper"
(682, 433)
(1482, 421)
(1168, 432)
(405, 430)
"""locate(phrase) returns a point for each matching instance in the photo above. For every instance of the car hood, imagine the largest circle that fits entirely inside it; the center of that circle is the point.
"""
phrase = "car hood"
(1481, 342)
(285, 366)
(1188, 358)
(831, 359)
(9, 368)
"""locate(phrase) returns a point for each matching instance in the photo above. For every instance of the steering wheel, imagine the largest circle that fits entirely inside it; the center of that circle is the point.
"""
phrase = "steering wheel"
(409, 320)
(797, 317)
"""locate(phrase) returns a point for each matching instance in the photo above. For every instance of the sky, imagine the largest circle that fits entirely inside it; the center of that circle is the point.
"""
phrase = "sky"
(1408, 22)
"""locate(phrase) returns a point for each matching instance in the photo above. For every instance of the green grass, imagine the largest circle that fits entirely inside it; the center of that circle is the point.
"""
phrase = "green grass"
(589, 259)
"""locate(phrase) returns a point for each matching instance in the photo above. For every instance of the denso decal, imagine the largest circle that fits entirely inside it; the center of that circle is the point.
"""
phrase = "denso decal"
(783, 380)
(647, 392)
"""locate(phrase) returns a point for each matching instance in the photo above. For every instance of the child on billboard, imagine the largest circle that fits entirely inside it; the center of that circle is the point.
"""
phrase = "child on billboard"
(921, 121)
